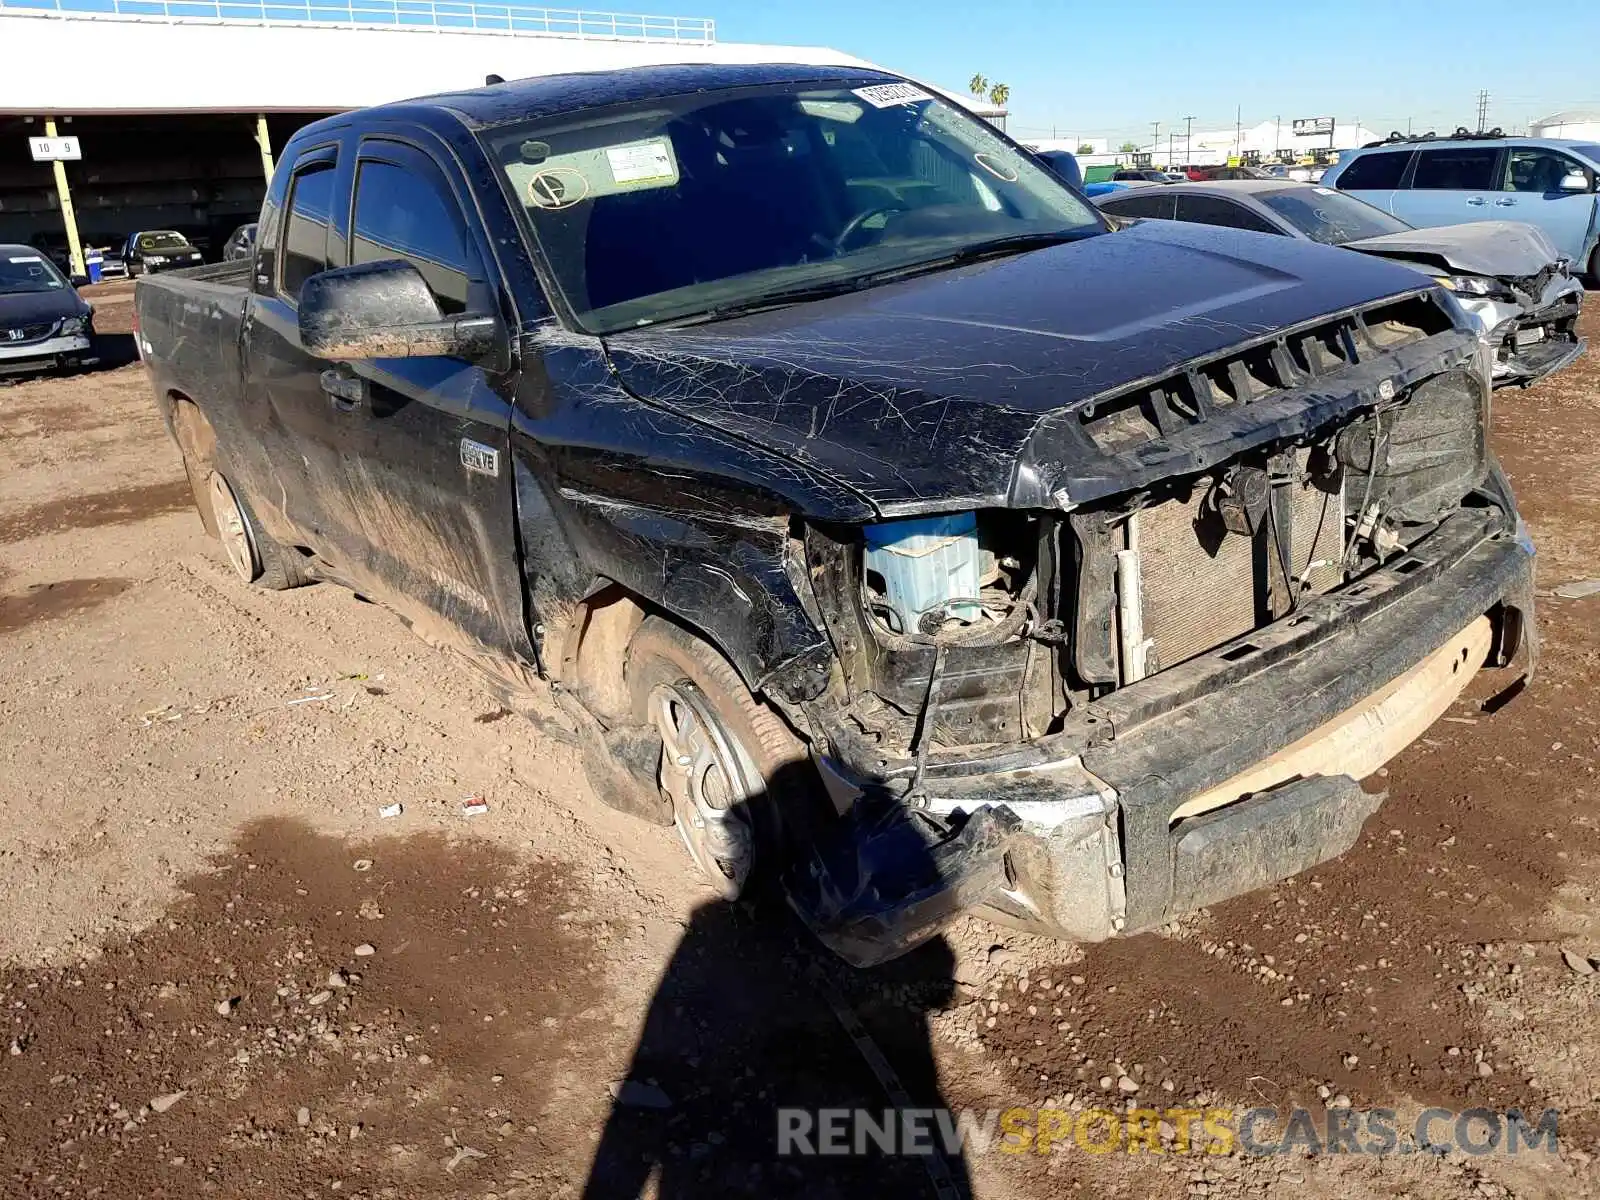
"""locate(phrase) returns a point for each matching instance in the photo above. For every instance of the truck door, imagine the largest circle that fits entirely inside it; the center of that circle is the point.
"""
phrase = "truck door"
(426, 469)
(295, 424)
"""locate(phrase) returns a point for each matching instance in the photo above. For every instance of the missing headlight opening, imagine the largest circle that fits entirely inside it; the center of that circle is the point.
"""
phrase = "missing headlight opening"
(1021, 618)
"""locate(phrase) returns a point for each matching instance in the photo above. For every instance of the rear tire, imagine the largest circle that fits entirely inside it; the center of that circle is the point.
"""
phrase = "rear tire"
(1594, 269)
(730, 768)
(252, 553)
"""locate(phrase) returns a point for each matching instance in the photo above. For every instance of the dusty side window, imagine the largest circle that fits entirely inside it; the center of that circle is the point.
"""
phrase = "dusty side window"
(400, 214)
(305, 242)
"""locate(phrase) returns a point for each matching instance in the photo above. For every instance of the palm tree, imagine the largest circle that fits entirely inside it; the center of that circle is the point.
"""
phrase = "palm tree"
(978, 85)
(999, 94)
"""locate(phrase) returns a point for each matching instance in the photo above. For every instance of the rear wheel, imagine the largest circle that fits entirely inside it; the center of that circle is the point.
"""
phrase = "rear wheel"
(254, 556)
(729, 766)
(1594, 268)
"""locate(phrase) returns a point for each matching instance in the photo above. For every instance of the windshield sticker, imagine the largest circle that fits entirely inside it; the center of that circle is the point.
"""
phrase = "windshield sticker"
(642, 161)
(887, 95)
(557, 187)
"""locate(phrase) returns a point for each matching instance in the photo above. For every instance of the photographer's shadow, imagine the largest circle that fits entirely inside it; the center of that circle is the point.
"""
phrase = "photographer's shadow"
(754, 1030)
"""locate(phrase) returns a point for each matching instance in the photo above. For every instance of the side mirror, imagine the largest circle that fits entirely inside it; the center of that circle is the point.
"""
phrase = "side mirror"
(1574, 181)
(386, 310)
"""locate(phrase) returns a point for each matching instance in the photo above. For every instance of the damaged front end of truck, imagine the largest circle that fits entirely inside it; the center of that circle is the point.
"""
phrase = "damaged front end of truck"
(1212, 603)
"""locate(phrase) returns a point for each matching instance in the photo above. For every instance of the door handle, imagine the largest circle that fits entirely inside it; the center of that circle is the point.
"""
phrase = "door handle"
(1505, 201)
(1476, 200)
(347, 391)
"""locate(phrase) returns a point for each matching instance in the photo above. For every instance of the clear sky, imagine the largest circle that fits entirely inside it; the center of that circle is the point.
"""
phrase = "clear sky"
(1112, 67)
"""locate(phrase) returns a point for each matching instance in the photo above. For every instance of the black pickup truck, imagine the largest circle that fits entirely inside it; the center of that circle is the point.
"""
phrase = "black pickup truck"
(875, 511)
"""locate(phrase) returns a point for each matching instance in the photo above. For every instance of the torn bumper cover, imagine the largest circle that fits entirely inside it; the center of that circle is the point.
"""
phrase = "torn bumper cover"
(1088, 841)
(1528, 342)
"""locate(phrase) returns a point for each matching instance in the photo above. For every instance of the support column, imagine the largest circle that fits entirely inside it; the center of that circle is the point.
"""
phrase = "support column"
(74, 247)
(264, 140)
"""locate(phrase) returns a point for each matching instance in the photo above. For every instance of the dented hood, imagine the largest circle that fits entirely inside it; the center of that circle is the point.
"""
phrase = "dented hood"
(1503, 249)
(925, 392)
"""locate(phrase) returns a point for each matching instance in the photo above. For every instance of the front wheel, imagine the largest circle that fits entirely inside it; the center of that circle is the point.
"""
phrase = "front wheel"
(729, 766)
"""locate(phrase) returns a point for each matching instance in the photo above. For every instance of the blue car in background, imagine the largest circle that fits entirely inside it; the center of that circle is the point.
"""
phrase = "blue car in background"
(1427, 181)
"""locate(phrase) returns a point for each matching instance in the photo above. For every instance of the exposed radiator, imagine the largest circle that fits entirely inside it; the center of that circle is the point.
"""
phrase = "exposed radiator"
(1202, 585)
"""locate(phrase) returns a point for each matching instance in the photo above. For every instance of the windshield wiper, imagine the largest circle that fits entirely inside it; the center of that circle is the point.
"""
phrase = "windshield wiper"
(781, 298)
(1019, 243)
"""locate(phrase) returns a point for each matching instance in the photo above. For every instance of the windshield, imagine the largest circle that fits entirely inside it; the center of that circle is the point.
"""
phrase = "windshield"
(21, 273)
(1334, 218)
(165, 240)
(701, 203)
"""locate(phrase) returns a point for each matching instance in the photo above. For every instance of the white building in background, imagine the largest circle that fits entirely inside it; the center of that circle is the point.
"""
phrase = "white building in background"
(1578, 124)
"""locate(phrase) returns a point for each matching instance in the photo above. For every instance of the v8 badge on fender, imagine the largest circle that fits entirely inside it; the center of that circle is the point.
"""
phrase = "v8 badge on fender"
(475, 456)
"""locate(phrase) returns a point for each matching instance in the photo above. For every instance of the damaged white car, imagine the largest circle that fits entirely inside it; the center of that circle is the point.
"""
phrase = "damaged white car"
(1507, 275)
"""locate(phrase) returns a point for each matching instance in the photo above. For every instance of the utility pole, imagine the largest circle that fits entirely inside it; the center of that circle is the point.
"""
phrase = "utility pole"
(1155, 144)
(1483, 110)
(1170, 138)
(1188, 156)
(1277, 137)
(1238, 128)
(64, 194)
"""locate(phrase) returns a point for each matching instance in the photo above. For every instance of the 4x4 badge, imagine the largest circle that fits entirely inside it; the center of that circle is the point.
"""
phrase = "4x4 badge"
(475, 456)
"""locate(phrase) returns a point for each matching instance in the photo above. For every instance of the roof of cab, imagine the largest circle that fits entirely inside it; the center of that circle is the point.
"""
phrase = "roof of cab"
(549, 95)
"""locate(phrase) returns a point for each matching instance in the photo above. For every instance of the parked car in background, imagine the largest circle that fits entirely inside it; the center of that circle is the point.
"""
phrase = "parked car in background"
(54, 246)
(1139, 175)
(1234, 172)
(1507, 276)
(241, 245)
(111, 264)
(159, 250)
(1427, 182)
(44, 323)
(990, 559)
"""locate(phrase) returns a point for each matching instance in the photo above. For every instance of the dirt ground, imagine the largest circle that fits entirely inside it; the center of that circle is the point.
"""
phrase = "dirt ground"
(223, 971)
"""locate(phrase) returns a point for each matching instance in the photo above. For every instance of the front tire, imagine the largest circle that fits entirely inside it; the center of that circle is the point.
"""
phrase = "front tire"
(729, 765)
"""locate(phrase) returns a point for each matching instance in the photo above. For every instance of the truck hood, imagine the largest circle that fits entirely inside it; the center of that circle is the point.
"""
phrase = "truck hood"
(927, 392)
(1503, 249)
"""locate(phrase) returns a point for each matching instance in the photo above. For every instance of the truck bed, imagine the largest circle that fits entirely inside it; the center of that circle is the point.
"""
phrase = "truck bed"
(190, 320)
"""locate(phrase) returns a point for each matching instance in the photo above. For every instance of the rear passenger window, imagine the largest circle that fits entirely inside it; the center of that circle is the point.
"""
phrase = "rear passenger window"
(305, 238)
(1212, 210)
(1375, 172)
(400, 214)
(1456, 169)
(1157, 204)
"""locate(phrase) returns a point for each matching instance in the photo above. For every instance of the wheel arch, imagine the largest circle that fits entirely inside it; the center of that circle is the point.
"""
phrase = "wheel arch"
(197, 440)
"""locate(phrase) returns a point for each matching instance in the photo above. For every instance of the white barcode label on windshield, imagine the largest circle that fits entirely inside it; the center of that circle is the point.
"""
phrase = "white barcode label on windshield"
(887, 95)
(641, 161)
